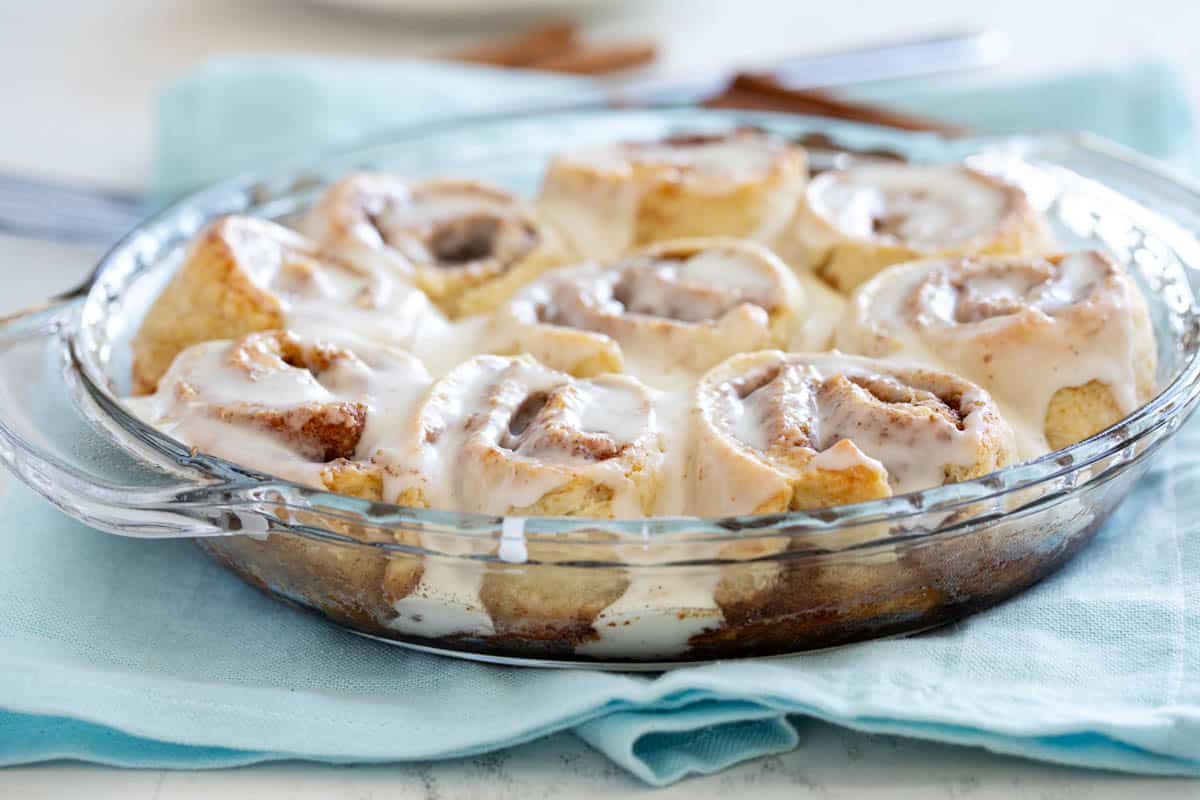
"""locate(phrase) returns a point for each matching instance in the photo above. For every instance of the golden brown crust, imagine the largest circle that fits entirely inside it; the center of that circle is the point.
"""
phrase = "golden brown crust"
(467, 244)
(541, 600)
(643, 193)
(212, 296)
(1077, 412)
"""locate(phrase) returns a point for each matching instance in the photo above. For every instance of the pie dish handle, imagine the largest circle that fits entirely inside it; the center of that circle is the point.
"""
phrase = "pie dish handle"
(47, 441)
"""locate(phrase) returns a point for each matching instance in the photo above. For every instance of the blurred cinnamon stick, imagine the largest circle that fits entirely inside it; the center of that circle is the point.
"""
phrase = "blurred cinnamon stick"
(599, 59)
(760, 92)
(525, 49)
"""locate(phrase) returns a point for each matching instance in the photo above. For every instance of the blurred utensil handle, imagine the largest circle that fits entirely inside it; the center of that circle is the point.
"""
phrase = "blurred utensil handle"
(937, 54)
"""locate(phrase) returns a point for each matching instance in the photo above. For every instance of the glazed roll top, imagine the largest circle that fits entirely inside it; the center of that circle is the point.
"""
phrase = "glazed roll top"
(855, 222)
(300, 409)
(511, 436)
(243, 274)
(1063, 342)
(781, 431)
(610, 199)
(672, 308)
(467, 244)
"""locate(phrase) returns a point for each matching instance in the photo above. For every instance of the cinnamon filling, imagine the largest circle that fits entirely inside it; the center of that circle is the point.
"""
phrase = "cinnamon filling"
(983, 294)
(969, 292)
(526, 413)
(541, 424)
(464, 239)
(319, 431)
(747, 385)
(788, 406)
(782, 403)
(889, 224)
(898, 223)
(892, 392)
(656, 289)
(261, 354)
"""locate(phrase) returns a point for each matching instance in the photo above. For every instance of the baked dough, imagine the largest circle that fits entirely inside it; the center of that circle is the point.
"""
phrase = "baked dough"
(611, 199)
(243, 274)
(780, 431)
(852, 223)
(1063, 342)
(673, 308)
(469, 245)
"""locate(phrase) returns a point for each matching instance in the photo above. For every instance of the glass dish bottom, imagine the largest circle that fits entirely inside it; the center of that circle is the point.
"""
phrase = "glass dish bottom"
(811, 606)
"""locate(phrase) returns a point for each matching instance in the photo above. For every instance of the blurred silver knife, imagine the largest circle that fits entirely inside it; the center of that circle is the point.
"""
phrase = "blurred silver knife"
(910, 58)
(56, 211)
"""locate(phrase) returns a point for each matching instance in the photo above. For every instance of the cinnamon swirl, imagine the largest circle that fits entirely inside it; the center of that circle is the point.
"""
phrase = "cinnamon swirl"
(467, 244)
(781, 431)
(611, 199)
(242, 275)
(1064, 342)
(674, 307)
(854, 222)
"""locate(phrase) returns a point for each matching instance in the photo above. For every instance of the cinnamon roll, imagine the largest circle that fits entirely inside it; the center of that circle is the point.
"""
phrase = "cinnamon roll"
(310, 412)
(242, 275)
(467, 244)
(298, 408)
(505, 435)
(610, 199)
(854, 222)
(511, 436)
(679, 306)
(1064, 342)
(780, 432)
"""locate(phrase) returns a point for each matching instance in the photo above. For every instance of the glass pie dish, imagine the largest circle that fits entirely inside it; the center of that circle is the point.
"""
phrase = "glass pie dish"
(583, 592)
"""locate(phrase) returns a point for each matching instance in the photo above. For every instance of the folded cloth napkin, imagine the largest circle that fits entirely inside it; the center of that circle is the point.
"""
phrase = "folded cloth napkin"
(144, 653)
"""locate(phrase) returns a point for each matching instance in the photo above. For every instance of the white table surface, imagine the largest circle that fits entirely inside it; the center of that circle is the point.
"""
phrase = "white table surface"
(79, 80)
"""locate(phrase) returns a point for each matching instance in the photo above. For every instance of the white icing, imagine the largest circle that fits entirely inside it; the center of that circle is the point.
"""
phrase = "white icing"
(657, 615)
(672, 311)
(512, 541)
(1022, 328)
(446, 600)
(844, 455)
(483, 442)
(338, 302)
(821, 411)
(209, 382)
(920, 206)
(386, 224)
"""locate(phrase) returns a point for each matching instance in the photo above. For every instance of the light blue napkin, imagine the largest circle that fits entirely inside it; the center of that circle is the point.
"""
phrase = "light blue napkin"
(146, 654)
(236, 115)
